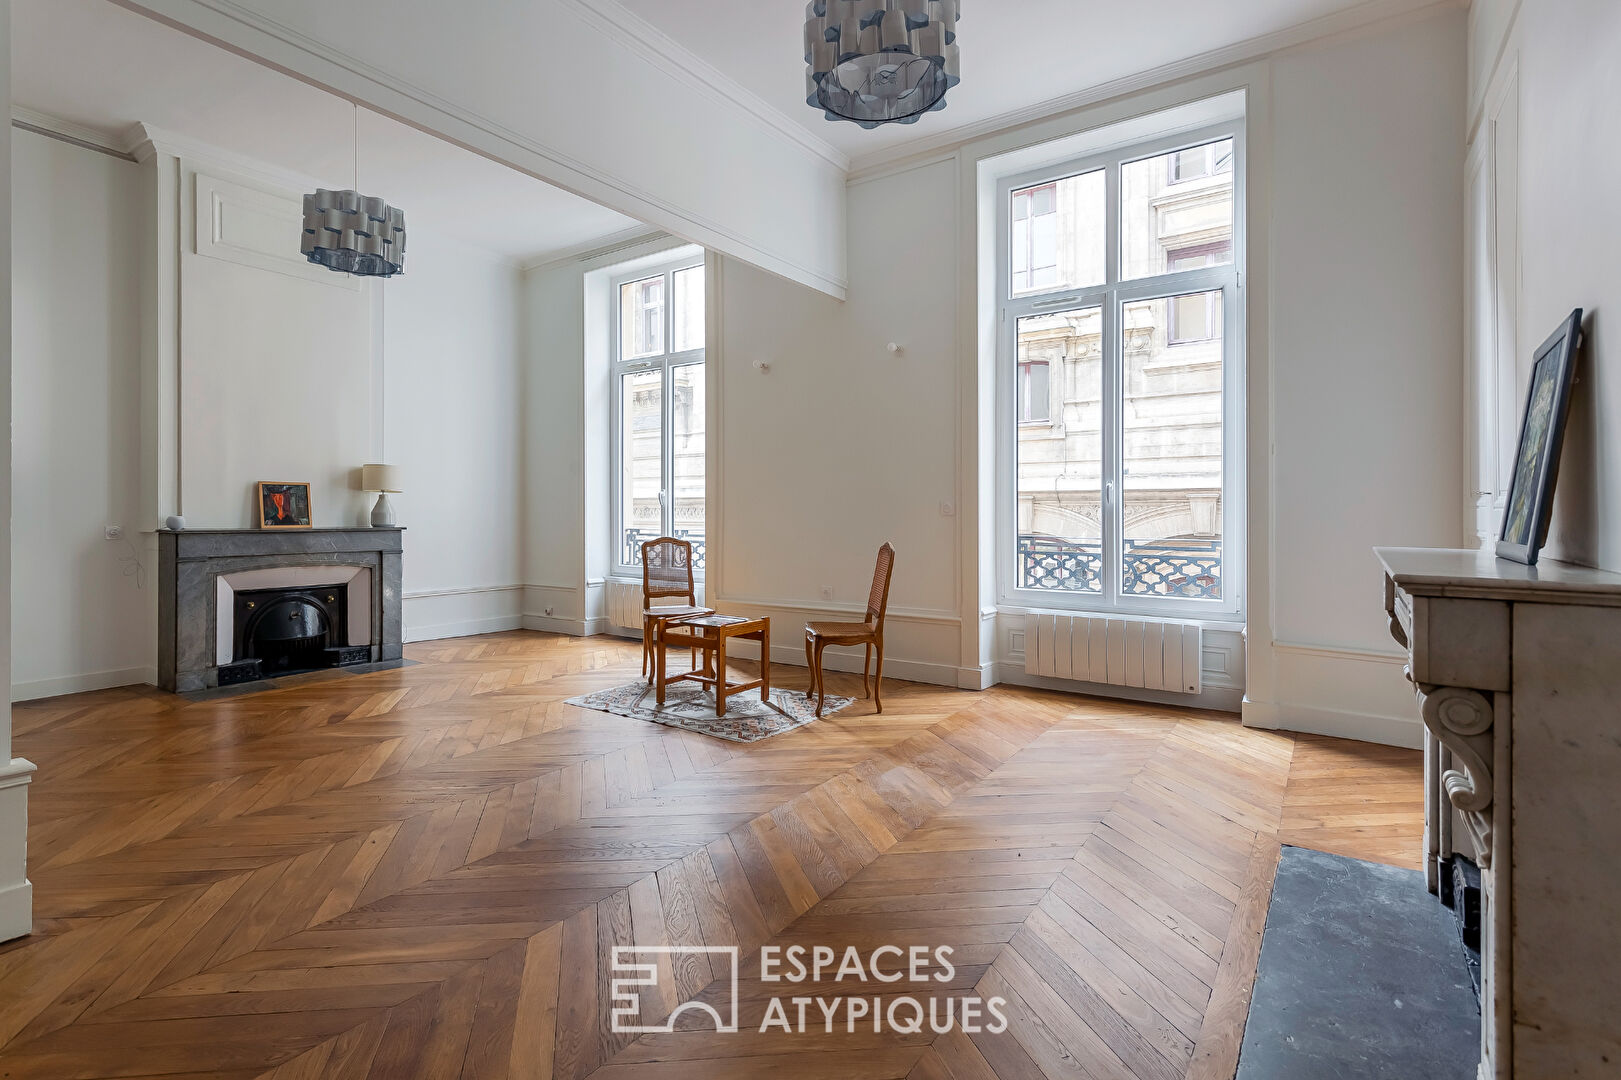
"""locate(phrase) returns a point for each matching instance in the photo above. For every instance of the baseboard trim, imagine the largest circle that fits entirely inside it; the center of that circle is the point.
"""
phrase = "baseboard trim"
(1403, 731)
(464, 628)
(582, 628)
(1215, 699)
(16, 910)
(16, 893)
(78, 684)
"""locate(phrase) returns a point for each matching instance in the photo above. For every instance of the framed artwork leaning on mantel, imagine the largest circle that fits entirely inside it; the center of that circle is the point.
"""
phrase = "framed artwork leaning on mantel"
(284, 505)
(1542, 435)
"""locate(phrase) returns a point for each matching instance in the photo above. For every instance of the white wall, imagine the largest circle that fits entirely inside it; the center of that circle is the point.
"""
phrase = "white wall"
(275, 355)
(82, 610)
(842, 446)
(554, 447)
(1367, 357)
(451, 385)
(1549, 71)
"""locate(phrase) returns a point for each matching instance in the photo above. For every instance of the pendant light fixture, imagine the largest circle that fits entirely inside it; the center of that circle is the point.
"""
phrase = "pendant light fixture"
(353, 233)
(878, 62)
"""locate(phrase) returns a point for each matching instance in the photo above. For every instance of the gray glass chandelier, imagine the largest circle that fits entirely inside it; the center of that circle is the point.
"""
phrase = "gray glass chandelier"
(353, 233)
(878, 62)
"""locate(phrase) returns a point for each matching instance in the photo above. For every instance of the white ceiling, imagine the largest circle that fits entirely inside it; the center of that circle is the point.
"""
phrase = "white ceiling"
(1015, 53)
(101, 67)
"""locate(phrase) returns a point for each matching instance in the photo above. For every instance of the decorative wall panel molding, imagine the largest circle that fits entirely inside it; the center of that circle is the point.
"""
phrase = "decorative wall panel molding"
(257, 227)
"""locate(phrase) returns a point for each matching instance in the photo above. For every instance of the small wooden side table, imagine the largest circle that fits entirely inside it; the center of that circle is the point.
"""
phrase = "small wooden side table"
(709, 635)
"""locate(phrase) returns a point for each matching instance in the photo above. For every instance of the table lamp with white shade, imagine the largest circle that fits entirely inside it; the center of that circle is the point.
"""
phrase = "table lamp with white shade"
(383, 479)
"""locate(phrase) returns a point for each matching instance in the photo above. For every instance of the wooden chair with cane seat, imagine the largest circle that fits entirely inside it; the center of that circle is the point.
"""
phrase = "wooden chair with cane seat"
(666, 572)
(819, 635)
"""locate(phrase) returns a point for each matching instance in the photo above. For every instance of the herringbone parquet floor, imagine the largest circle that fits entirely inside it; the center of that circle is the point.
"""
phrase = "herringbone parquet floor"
(425, 872)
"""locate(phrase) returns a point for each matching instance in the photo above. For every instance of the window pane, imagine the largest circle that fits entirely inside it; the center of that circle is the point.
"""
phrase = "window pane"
(1172, 497)
(641, 461)
(1057, 238)
(1060, 464)
(1035, 403)
(687, 429)
(1176, 211)
(689, 309)
(641, 318)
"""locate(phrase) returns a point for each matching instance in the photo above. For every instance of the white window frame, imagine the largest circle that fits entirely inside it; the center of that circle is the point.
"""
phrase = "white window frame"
(667, 363)
(1112, 298)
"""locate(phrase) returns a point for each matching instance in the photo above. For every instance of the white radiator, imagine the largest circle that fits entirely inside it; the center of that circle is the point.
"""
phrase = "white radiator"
(625, 605)
(1113, 651)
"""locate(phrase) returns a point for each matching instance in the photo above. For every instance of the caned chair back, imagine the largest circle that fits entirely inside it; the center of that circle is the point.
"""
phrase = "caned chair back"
(878, 599)
(667, 570)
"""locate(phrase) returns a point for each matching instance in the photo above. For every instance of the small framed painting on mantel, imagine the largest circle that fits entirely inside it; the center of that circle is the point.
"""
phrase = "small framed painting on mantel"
(1542, 436)
(283, 505)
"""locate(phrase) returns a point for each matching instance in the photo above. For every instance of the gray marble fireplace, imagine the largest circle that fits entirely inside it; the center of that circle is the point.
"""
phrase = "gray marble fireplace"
(201, 570)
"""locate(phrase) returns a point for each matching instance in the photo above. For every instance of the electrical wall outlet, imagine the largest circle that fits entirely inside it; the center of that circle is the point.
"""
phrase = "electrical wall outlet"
(115, 532)
(948, 509)
(827, 592)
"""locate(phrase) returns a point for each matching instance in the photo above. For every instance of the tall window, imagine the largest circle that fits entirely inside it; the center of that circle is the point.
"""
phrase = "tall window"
(659, 443)
(1122, 401)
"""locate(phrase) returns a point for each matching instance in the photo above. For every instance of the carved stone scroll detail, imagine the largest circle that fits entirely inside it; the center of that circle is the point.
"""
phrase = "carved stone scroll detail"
(1462, 719)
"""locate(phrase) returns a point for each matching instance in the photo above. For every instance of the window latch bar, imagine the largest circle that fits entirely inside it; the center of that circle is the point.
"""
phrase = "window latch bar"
(1055, 302)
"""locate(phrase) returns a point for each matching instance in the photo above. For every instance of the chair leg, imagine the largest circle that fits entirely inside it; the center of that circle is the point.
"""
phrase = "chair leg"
(647, 649)
(765, 665)
(660, 670)
(878, 683)
(810, 666)
(720, 678)
(821, 680)
(866, 666)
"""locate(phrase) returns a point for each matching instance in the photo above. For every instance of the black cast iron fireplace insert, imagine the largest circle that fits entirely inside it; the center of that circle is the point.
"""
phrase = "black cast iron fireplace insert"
(289, 631)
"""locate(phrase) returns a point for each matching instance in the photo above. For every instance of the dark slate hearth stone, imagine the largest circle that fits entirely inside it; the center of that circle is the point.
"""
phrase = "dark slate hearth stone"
(1362, 977)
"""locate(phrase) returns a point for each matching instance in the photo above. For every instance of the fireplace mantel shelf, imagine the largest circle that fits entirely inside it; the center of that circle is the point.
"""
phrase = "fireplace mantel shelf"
(283, 532)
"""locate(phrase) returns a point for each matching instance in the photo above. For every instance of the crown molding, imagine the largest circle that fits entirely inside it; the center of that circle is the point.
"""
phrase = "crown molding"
(1348, 21)
(54, 127)
(145, 141)
(601, 246)
(678, 61)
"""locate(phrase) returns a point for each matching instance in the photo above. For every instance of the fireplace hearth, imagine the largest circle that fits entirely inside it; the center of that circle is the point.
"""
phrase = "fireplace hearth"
(240, 605)
(290, 631)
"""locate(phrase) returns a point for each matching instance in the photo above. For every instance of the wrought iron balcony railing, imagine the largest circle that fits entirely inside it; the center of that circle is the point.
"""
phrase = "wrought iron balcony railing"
(1189, 569)
(1181, 568)
(635, 538)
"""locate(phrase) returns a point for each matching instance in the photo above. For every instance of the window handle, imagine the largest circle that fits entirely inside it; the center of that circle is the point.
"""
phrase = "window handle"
(1108, 493)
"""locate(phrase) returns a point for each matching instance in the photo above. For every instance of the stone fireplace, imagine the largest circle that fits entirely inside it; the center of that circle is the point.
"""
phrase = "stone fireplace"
(238, 605)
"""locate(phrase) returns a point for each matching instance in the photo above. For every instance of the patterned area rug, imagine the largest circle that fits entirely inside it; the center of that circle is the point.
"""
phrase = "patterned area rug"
(690, 707)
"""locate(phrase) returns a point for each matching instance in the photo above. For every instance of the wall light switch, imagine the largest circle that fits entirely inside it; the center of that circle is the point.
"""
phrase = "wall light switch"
(115, 532)
(948, 509)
